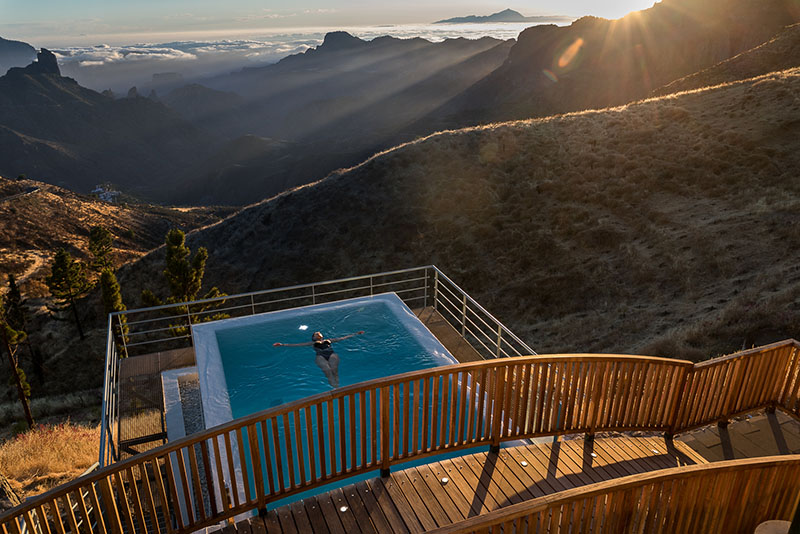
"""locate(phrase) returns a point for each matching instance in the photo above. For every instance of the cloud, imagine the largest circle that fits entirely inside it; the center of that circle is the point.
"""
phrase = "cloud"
(104, 54)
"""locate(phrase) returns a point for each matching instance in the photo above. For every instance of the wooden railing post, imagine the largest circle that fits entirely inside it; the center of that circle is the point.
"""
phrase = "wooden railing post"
(497, 408)
(386, 435)
(680, 391)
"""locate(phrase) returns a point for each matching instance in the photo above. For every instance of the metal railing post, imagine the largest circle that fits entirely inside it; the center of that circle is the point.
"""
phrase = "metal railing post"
(436, 290)
(252, 304)
(370, 287)
(313, 295)
(499, 340)
(425, 294)
(464, 315)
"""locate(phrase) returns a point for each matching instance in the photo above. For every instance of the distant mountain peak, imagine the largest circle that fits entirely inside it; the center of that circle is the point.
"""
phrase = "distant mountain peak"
(340, 41)
(507, 15)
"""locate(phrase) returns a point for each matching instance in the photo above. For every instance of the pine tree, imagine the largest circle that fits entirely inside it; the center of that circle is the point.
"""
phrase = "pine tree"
(100, 245)
(67, 282)
(184, 275)
(185, 278)
(112, 302)
(11, 339)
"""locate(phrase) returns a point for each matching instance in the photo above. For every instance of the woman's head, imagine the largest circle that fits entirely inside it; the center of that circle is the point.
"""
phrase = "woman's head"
(316, 336)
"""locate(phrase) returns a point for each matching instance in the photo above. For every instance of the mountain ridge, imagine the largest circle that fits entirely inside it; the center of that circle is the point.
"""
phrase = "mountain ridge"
(507, 15)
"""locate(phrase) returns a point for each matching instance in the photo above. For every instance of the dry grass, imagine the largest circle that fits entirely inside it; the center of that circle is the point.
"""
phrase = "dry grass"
(47, 456)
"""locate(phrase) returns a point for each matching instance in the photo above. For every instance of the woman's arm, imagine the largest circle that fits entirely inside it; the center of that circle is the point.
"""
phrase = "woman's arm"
(306, 344)
(348, 336)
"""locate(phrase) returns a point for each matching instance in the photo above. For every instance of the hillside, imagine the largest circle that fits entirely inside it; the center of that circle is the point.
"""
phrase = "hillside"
(59, 132)
(35, 220)
(779, 53)
(595, 62)
(27, 243)
(667, 226)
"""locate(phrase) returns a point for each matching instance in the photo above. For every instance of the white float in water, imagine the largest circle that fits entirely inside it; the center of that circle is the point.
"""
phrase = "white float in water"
(303, 327)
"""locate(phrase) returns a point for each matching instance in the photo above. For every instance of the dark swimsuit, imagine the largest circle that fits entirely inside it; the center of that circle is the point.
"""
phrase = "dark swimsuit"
(324, 348)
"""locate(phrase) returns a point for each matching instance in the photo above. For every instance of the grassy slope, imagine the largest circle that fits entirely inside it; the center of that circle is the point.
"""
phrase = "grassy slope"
(779, 53)
(667, 226)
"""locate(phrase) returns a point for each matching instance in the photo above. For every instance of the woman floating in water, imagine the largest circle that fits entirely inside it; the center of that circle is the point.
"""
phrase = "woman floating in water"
(326, 359)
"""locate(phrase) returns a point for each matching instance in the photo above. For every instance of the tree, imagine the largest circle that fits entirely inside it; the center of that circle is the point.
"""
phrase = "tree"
(68, 281)
(100, 245)
(14, 310)
(112, 302)
(185, 278)
(11, 340)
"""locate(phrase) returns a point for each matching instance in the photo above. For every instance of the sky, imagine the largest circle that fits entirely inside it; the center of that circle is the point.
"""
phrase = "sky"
(70, 22)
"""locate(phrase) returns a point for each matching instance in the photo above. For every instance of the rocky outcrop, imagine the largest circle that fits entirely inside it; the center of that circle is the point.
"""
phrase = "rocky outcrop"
(46, 63)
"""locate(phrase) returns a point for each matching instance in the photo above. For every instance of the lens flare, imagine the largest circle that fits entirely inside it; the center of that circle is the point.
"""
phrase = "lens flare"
(550, 75)
(569, 54)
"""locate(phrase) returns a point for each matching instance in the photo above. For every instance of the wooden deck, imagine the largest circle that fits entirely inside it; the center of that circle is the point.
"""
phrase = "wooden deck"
(416, 500)
(752, 436)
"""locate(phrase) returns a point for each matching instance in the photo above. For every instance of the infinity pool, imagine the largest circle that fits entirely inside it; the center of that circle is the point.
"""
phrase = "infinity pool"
(242, 372)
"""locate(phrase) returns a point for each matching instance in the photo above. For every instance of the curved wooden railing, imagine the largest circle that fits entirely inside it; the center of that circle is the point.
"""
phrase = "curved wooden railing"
(723, 497)
(208, 477)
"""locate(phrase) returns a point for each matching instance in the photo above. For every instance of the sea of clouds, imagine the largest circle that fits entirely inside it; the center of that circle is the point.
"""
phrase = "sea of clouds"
(121, 66)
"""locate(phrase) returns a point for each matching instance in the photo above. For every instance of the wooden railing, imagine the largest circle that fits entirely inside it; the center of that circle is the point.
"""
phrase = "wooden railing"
(249, 462)
(724, 497)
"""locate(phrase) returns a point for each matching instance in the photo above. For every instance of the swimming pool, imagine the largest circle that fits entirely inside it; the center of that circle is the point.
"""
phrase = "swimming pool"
(241, 371)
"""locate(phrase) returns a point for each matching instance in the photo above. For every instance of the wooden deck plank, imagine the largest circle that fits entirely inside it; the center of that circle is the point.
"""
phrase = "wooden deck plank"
(300, 517)
(420, 498)
(315, 516)
(481, 496)
(434, 473)
(346, 515)
(379, 517)
(352, 501)
(389, 497)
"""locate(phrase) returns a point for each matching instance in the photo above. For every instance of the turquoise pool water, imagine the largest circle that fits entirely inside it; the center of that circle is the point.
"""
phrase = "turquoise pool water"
(242, 372)
(259, 375)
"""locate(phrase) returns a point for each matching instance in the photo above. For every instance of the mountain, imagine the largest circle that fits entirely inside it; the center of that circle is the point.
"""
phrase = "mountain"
(341, 101)
(15, 54)
(665, 227)
(594, 63)
(779, 53)
(54, 130)
(507, 15)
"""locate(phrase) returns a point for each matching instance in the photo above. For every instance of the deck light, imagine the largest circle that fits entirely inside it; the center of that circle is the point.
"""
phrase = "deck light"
(655, 450)
(445, 480)
(593, 454)
(343, 509)
(523, 463)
